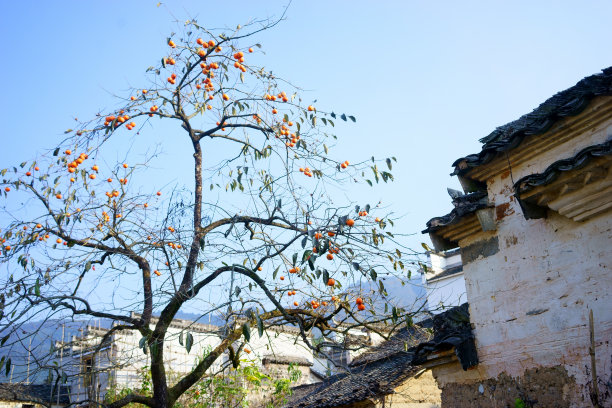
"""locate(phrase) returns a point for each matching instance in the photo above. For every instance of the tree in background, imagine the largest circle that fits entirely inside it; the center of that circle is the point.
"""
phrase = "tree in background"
(262, 234)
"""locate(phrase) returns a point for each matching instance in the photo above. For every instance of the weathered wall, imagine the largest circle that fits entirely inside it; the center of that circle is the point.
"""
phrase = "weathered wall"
(537, 387)
(530, 286)
(417, 392)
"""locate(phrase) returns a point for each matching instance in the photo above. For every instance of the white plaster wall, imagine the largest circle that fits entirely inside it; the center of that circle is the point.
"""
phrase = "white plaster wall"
(123, 364)
(439, 263)
(18, 404)
(530, 301)
(277, 345)
(446, 292)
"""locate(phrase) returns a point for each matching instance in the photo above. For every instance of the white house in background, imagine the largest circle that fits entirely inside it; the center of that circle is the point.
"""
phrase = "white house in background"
(443, 281)
(93, 368)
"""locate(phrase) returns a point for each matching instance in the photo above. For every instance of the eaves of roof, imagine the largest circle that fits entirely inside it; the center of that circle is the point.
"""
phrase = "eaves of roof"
(464, 205)
(569, 102)
(446, 274)
(553, 171)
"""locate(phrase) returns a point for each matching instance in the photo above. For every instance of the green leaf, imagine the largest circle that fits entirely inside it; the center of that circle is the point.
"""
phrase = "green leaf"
(325, 247)
(246, 331)
(389, 164)
(56, 151)
(325, 276)
(311, 262)
(381, 287)
(37, 287)
(164, 62)
(343, 117)
(426, 247)
(8, 367)
(260, 326)
(181, 339)
(352, 118)
(306, 255)
(4, 339)
(275, 272)
(188, 342)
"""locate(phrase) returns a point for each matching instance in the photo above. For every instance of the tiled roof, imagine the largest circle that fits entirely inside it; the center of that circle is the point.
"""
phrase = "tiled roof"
(364, 381)
(446, 273)
(569, 102)
(553, 171)
(404, 339)
(277, 359)
(36, 393)
(464, 205)
(451, 329)
(379, 374)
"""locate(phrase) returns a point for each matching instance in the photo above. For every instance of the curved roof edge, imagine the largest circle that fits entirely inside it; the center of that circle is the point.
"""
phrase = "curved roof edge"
(569, 102)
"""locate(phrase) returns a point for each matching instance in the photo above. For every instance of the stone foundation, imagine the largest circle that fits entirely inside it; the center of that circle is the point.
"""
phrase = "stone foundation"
(538, 387)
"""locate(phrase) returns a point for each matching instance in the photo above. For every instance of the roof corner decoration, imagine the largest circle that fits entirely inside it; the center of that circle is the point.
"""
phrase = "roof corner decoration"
(579, 187)
(472, 213)
(453, 341)
(567, 103)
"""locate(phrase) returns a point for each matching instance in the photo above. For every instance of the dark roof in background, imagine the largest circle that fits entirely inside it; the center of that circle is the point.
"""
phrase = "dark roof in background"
(37, 393)
(581, 159)
(381, 372)
(276, 359)
(464, 205)
(404, 339)
(446, 273)
(363, 382)
(569, 102)
(451, 329)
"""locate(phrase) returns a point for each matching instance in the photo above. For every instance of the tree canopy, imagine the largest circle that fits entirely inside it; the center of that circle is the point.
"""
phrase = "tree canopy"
(262, 233)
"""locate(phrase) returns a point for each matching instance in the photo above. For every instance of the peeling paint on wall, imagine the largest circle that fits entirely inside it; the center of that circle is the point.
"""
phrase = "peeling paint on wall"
(538, 387)
(479, 249)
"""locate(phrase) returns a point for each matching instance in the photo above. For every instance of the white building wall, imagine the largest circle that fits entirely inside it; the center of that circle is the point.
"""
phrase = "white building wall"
(122, 364)
(530, 301)
(445, 293)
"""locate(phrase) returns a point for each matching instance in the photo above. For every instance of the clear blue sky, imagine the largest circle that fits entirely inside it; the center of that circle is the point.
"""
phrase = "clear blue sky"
(425, 80)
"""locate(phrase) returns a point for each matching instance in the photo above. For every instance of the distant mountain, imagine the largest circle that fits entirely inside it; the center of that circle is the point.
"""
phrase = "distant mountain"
(38, 338)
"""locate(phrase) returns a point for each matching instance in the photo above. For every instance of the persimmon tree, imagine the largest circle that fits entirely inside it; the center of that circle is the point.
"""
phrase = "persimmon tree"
(262, 221)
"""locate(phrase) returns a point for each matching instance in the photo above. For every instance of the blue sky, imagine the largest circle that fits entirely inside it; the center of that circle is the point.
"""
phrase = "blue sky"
(425, 80)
